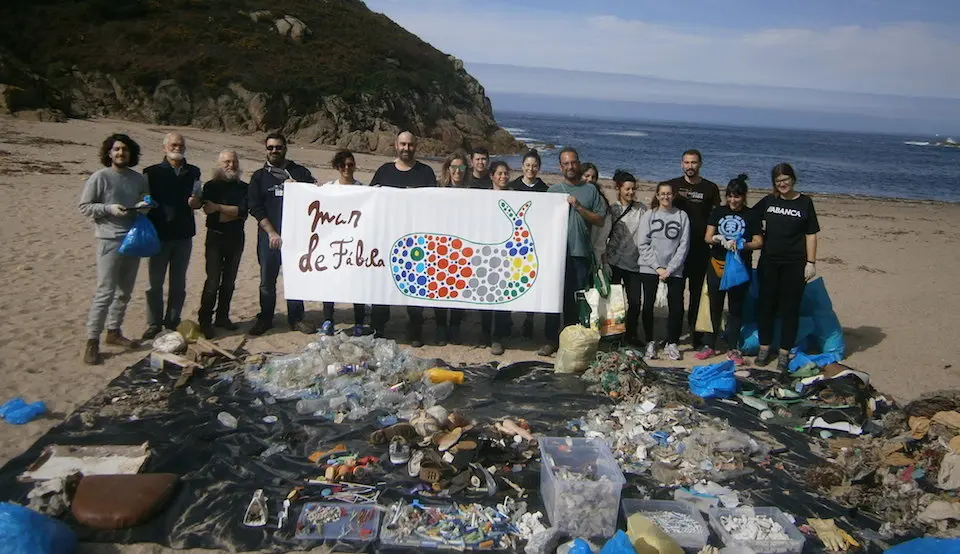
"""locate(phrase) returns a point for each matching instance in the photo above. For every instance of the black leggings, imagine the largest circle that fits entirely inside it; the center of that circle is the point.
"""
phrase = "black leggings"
(359, 313)
(633, 286)
(781, 290)
(674, 306)
(735, 298)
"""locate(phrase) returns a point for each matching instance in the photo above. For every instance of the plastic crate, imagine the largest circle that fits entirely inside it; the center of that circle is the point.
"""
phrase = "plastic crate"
(340, 529)
(791, 545)
(392, 539)
(693, 541)
(599, 519)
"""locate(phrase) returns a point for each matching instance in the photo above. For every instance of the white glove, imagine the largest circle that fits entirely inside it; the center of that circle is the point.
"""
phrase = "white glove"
(810, 271)
(116, 210)
(142, 207)
(730, 244)
(718, 239)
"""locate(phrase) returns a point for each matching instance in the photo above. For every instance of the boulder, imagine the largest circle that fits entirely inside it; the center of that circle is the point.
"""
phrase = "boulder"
(292, 27)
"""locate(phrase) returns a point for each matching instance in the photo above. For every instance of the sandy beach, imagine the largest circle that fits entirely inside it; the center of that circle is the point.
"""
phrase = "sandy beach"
(887, 265)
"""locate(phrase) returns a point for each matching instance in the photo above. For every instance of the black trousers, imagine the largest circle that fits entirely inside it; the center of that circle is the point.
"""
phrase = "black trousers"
(781, 290)
(448, 316)
(495, 325)
(576, 277)
(633, 286)
(359, 313)
(695, 270)
(674, 306)
(380, 315)
(222, 255)
(735, 297)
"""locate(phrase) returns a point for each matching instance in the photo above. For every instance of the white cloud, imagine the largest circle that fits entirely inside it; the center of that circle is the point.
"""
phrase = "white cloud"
(906, 58)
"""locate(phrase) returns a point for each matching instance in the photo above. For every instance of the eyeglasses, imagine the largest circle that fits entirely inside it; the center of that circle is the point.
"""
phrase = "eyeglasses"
(783, 180)
(271, 148)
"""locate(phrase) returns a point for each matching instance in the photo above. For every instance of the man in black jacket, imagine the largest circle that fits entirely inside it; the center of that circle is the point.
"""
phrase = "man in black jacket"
(265, 199)
(175, 187)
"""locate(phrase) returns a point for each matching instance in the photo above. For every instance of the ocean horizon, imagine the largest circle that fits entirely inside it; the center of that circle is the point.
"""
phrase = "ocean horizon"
(884, 165)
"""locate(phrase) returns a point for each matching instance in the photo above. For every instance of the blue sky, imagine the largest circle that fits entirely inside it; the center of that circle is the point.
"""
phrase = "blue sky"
(904, 47)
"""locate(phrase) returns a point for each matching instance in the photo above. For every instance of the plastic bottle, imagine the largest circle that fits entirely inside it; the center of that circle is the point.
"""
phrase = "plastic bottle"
(440, 375)
(227, 420)
(311, 405)
(438, 393)
(337, 401)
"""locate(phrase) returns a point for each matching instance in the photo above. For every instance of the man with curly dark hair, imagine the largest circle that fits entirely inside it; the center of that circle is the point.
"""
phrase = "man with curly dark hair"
(111, 198)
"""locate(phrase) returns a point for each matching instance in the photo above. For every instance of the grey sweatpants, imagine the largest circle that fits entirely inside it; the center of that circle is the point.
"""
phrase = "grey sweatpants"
(116, 275)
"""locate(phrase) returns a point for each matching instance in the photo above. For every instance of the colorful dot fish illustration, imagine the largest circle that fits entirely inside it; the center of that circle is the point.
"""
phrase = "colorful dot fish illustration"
(446, 267)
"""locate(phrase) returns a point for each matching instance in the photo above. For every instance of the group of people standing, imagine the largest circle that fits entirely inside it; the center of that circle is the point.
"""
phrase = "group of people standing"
(681, 239)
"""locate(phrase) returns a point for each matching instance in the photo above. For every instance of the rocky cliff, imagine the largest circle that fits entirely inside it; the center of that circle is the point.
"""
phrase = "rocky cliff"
(327, 71)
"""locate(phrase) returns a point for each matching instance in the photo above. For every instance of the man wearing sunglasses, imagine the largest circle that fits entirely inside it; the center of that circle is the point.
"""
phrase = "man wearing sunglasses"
(265, 199)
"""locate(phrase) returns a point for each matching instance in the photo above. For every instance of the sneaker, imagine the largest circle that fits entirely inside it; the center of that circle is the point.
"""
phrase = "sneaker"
(454, 334)
(91, 354)
(415, 463)
(673, 351)
(651, 351)
(172, 325)
(497, 348)
(764, 357)
(260, 327)
(327, 328)
(304, 327)
(442, 334)
(207, 330)
(116, 338)
(704, 353)
(225, 323)
(151, 332)
(399, 451)
(415, 337)
(735, 356)
(783, 362)
(547, 350)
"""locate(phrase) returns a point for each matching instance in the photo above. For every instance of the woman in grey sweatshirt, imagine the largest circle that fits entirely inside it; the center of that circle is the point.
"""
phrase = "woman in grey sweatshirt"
(663, 239)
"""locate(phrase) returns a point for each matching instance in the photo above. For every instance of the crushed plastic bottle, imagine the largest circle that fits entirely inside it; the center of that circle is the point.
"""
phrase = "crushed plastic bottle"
(227, 420)
(435, 394)
(311, 405)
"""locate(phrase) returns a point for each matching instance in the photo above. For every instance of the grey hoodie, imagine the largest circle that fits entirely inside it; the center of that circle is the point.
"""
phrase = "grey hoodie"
(663, 240)
(109, 186)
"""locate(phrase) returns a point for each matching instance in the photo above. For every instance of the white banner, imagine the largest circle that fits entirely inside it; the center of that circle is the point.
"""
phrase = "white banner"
(442, 247)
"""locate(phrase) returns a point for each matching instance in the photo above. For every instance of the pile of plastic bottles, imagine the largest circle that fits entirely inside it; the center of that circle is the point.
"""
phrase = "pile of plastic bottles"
(350, 377)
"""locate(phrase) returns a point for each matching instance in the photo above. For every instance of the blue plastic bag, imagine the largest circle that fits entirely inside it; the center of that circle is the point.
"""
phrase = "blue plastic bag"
(714, 381)
(618, 544)
(926, 545)
(23, 531)
(828, 333)
(580, 546)
(735, 272)
(750, 336)
(18, 412)
(820, 360)
(141, 240)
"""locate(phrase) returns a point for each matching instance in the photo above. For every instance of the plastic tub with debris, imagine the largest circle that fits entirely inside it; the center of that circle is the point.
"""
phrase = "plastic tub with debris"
(580, 483)
(758, 529)
(689, 529)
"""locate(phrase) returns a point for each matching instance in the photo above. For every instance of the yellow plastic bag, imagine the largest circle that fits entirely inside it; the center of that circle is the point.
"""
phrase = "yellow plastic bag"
(648, 538)
(578, 349)
(704, 321)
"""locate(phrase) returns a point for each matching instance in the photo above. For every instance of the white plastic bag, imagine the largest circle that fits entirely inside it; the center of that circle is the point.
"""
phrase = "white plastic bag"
(608, 316)
(661, 301)
(578, 349)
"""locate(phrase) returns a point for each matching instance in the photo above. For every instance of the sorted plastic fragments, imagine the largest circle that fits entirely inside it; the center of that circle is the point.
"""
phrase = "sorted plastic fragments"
(463, 526)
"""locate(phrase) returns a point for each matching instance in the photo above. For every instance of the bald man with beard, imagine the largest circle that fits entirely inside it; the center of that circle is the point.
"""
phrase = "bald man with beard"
(405, 172)
(174, 185)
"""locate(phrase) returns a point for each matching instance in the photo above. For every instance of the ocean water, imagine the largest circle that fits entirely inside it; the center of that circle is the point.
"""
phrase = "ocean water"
(888, 166)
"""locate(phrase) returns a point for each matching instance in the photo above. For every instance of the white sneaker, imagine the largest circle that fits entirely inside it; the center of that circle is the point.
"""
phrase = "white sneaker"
(651, 352)
(673, 351)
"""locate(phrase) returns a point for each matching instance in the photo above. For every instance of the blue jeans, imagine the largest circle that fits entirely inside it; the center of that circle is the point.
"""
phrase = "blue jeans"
(174, 256)
(576, 277)
(270, 263)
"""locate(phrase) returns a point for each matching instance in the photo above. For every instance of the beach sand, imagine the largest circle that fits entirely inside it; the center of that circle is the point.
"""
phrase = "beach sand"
(887, 265)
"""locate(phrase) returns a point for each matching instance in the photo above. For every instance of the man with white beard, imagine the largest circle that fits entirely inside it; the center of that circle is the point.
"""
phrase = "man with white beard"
(175, 186)
(225, 203)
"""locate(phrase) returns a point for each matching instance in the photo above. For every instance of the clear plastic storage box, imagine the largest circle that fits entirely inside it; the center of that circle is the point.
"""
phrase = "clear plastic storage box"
(355, 522)
(791, 545)
(580, 507)
(693, 541)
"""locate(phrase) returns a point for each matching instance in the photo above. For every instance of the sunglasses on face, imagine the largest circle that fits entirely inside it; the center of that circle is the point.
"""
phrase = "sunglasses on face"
(271, 148)
(458, 167)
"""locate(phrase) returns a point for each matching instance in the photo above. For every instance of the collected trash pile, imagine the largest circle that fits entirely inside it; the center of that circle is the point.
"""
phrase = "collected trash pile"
(356, 441)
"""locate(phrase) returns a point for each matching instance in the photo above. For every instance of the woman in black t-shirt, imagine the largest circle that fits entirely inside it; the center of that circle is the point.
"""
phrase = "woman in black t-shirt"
(736, 228)
(787, 261)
